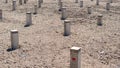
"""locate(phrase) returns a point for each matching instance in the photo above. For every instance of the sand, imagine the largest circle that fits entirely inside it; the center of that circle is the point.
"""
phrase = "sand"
(42, 45)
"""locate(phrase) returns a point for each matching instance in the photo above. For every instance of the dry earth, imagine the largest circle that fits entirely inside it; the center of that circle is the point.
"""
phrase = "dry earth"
(43, 44)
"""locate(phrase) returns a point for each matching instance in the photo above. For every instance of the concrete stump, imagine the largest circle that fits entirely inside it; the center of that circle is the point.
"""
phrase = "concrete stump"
(6, 1)
(99, 20)
(35, 9)
(110, 1)
(25, 1)
(64, 15)
(76, 1)
(75, 57)
(1, 14)
(60, 6)
(81, 3)
(28, 19)
(20, 2)
(39, 3)
(67, 28)
(14, 5)
(97, 2)
(89, 10)
(14, 40)
(59, 1)
(107, 6)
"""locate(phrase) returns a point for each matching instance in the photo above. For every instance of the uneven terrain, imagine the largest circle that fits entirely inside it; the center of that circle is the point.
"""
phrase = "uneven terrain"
(42, 45)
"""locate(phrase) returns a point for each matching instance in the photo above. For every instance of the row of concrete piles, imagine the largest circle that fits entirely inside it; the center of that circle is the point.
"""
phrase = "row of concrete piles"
(28, 14)
(63, 14)
(61, 8)
(14, 33)
(89, 11)
(25, 1)
(75, 52)
(20, 1)
(14, 3)
(97, 1)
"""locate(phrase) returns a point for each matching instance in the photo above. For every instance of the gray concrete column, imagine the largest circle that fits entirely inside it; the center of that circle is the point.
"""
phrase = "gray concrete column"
(20, 2)
(81, 3)
(107, 6)
(60, 6)
(97, 2)
(35, 9)
(1, 14)
(89, 10)
(67, 28)
(99, 20)
(6, 1)
(14, 40)
(28, 19)
(110, 1)
(14, 5)
(39, 3)
(25, 1)
(75, 57)
(64, 14)
(59, 1)
(76, 1)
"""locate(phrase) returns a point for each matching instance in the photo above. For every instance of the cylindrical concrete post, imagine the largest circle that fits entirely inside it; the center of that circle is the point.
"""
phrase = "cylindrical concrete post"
(67, 28)
(110, 1)
(14, 5)
(76, 1)
(59, 1)
(107, 6)
(64, 15)
(89, 10)
(20, 2)
(81, 3)
(14, 39)
(25, 1)
(1, 14)
(39, 3)
(97, 2)
(28, 19)
(75, 57)
(99, 20)
(6, 1)
(35, 9)
(60, 6)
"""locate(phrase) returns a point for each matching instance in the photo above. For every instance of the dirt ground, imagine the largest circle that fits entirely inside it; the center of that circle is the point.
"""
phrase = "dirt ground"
(43, 44)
